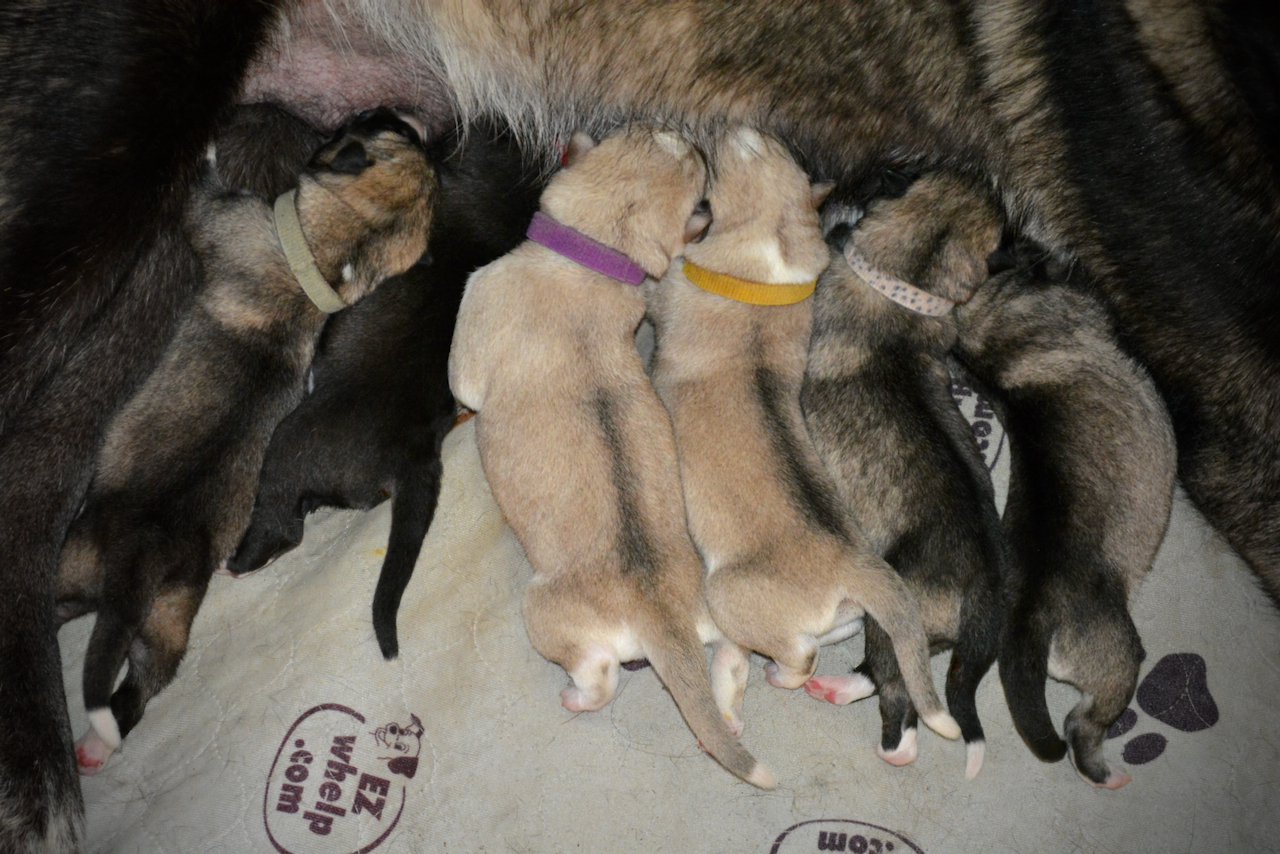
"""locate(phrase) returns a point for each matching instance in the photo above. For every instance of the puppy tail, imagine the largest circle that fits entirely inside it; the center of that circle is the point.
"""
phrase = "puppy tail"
(1024, 667)
(678, 656)
(891, 604)
(412, 510)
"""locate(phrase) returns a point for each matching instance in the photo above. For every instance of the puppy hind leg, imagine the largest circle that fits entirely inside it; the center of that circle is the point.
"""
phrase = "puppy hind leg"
(156, 653)
(730, 667)
(897, 714)
(275, 528)
(794, 662)
(1085, 733)
(843, 690)
(887, 600)
(108, 648)
(974, 654)
(595, 680)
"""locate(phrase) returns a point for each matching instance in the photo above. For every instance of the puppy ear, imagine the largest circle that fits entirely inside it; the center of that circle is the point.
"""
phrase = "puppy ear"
(419, 127)
(699, 221)
(351, 159)
(818, 192)
(579, 144)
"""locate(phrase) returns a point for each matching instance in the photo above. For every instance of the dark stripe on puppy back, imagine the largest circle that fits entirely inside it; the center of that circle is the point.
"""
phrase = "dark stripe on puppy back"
(809, 494)
(639, 556)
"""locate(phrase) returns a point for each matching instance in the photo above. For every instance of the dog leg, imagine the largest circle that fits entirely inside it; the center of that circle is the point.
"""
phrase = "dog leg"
(729, 670)
(595, 680)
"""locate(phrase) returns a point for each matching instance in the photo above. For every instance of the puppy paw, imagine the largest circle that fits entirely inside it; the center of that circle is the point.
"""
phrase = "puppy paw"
(1117, 779)
(92, 753)
(840, 690)
(904, 754)
(575, 700)
(784, 677)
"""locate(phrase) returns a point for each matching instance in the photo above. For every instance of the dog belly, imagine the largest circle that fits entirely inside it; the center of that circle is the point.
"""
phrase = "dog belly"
(326, 73)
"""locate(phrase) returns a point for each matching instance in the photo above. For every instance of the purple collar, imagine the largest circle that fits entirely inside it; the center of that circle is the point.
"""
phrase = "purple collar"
(577, 247)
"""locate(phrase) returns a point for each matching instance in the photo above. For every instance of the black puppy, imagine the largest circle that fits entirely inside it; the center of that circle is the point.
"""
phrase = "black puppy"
(381, 405)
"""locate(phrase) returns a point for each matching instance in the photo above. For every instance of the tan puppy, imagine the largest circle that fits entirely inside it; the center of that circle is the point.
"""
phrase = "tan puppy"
(576, 446)
(788, 569)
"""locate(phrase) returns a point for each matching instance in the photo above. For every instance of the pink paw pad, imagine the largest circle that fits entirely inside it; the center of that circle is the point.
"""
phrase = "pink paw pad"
(840, 690)
(92, 754)
(1117, 779)
(904, 754)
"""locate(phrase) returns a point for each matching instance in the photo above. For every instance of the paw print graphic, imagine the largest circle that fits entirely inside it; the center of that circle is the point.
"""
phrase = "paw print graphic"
(1175, 693)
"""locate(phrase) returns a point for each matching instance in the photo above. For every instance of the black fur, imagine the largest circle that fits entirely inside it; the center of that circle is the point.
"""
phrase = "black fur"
(1193, 279)
(106, 109)
(1089, 496)
(877, 403)
(381, 405)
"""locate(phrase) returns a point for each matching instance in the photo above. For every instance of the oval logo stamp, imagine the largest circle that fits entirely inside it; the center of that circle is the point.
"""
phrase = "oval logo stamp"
(842, 834)
(338, 783)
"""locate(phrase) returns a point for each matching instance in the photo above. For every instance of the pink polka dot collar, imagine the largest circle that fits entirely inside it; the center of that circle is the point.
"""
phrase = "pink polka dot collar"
(906, 295)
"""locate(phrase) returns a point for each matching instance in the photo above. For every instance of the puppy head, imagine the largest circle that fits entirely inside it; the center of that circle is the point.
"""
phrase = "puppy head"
(764, 214)
(366, 201)
(638, 191)
(937, 235)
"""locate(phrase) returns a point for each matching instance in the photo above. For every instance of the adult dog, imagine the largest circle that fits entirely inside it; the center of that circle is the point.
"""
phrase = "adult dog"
(1135, 136)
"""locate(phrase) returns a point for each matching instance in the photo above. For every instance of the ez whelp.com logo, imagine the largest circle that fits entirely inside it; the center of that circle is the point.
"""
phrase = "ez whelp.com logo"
(338, 782)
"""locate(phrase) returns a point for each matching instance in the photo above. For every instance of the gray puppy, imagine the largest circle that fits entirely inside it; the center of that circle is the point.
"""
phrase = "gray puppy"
(877, 404)
(1089, 499)
(175, 480)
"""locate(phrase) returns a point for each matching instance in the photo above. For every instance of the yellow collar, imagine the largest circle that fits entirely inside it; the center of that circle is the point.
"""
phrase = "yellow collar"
(742, 290)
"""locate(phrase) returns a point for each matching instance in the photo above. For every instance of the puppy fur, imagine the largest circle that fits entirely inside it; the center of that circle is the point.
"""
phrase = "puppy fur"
(1093, 466)
(174, 483)
(877, 404)
(1104, 139)
(1045, 101)
(261, 151)
(787, 568)
(381, 406)
(95, 166)
(545, 353)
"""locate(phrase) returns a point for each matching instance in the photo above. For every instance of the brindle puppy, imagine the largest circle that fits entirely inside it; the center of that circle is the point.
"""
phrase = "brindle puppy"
(381, 404)
(877, 404)
(175, 479)
(576, 445)
(1089, 498)
(788, 569)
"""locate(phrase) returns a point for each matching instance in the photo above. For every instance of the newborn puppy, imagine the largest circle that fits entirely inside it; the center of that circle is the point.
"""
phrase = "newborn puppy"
(380, 405)
(787, 567)
(877, 402)
(1089, 496)
(261, 150)
(175, 479)
(577, 447)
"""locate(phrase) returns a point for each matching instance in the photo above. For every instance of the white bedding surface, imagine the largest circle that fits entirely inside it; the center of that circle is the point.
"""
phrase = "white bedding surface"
(503, 767)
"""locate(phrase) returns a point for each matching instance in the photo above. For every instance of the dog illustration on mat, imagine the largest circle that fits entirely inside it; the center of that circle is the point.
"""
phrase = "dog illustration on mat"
(402, 743)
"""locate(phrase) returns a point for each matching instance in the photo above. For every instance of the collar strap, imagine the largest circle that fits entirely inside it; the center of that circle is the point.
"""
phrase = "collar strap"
(743, 290)
(582, 250)
(906, 295)
(298, 254)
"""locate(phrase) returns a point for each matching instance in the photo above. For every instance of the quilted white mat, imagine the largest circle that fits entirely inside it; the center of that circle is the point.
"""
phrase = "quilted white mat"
(275, 737)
